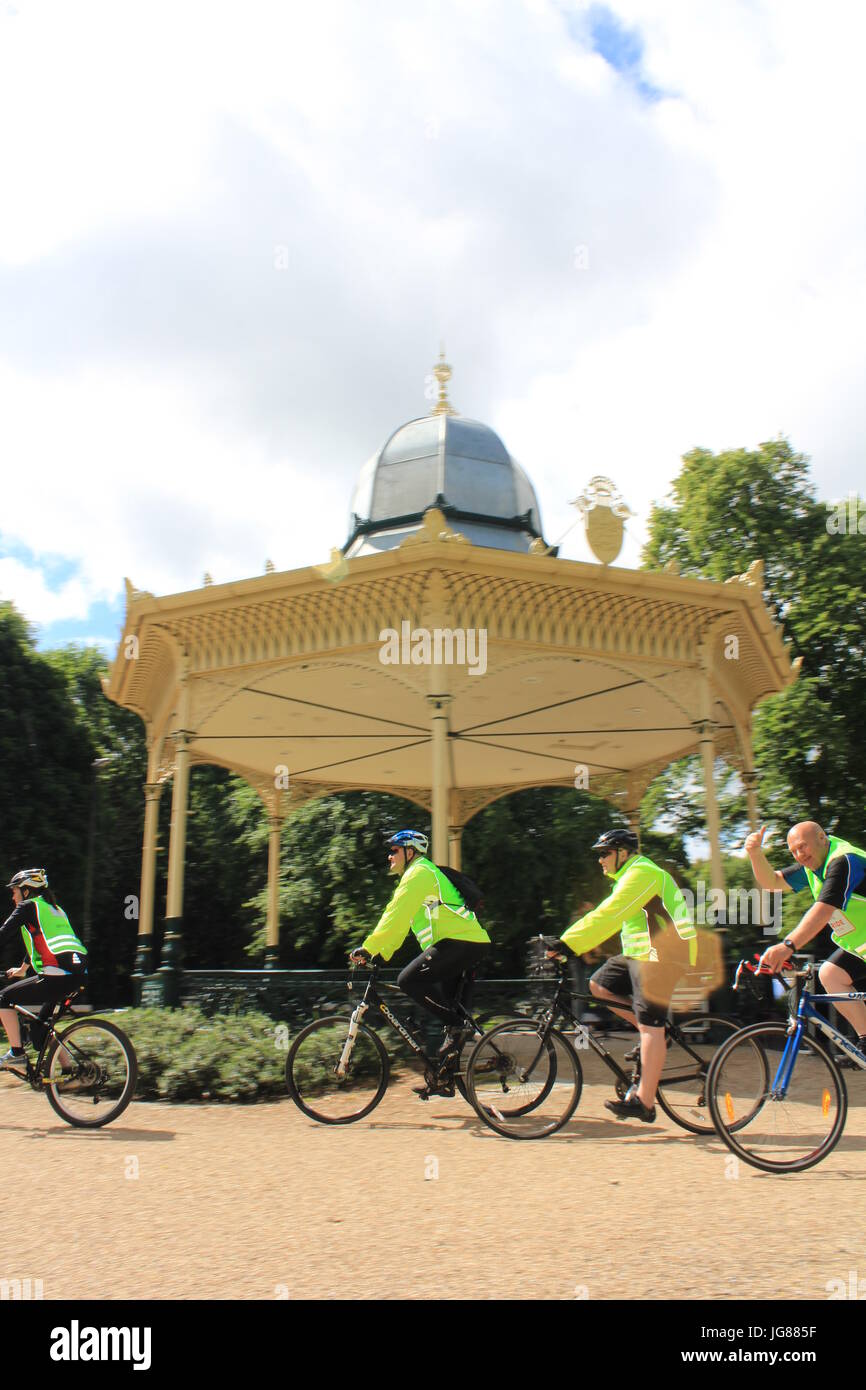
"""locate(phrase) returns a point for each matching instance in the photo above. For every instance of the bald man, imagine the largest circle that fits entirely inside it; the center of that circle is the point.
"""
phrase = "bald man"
(835, 872)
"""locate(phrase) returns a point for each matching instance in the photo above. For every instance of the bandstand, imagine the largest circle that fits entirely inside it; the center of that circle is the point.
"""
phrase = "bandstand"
(445, 654)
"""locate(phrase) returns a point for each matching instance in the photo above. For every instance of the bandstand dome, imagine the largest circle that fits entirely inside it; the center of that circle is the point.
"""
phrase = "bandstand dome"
(460, 466)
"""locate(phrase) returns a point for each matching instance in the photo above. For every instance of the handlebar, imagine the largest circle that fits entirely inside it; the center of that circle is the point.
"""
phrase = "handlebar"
(787, 969)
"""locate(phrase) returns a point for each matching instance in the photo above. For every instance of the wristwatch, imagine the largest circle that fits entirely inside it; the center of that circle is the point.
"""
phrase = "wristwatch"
(789, 943)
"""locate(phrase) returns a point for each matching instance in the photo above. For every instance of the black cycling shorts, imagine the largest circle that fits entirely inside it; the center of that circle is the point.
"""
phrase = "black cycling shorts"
(649, 982)
(853, 965)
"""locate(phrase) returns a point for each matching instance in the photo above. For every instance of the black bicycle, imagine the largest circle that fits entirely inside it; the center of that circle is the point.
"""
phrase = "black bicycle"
(537, 1063)
(88, 1071)
(337, 1069)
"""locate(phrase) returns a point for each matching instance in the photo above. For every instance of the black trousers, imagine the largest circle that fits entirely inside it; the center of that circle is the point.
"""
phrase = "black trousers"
(431, 979)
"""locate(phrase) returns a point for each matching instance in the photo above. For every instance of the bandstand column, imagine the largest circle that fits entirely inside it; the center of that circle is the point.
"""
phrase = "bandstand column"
(708, 755)
(144, 948)
(440, 779)
(272, 931)
(171, 946)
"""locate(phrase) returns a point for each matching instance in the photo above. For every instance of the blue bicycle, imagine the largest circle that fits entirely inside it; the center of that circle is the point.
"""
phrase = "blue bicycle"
(776, 1096)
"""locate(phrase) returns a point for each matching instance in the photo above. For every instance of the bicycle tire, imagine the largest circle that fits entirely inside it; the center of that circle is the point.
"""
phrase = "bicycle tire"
(516, 1110)
(532, 1060)
(681, 1091)
(774, 1125)
(72, 1092)
(313, 1084)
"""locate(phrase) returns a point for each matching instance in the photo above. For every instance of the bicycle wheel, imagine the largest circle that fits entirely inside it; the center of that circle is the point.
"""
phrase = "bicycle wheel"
(90, 1073)
(515, 1106)
(775, 1132)
(331, 1084)
(682, 1088)
(522, 1084)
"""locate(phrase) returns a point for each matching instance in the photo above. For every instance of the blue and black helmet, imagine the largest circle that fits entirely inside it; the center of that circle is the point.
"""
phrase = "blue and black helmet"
(616, 839)
(414, 838)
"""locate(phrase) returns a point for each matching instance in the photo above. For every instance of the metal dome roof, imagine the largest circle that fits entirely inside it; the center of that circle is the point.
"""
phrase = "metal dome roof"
(459, 465)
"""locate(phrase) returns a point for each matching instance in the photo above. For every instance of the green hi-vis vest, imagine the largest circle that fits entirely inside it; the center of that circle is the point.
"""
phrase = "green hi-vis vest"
(848, 925)
(427, 903)
(638, 884)
(55, 932)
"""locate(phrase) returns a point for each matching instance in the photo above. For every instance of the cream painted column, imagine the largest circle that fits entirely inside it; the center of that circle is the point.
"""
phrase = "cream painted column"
(144, 949)
(455, 846)
(177, 842)
(440, 779)
(169, 967)
(708, 755)
(272, 931)
(634, 784)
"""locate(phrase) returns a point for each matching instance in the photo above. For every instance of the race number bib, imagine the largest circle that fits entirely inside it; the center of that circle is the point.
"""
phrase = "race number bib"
(839, 924)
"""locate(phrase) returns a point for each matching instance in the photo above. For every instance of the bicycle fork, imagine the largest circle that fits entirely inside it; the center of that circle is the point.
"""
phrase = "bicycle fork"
(779, 1088)
(345, 1056)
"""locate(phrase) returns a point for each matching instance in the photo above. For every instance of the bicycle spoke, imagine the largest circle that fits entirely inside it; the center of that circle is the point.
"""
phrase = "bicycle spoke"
(333, 1077)
(775, 1127)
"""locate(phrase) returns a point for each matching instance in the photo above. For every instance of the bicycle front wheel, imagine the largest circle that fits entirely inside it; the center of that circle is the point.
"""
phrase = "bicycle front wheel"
(90, 1073)
(333, 1078)
(523, 1083)
(682, 1088)
(780, 1133)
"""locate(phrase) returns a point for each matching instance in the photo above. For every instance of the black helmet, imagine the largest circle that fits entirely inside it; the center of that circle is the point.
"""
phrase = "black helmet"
(617, 839)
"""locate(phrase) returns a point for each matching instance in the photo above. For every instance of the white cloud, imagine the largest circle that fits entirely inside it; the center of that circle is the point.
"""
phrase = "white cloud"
(179, 404)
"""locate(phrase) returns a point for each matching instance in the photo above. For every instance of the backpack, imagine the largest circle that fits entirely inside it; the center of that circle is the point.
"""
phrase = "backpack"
(468, 889)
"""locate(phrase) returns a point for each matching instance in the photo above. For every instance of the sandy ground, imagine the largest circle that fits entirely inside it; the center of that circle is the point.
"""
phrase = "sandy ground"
(257, 1202)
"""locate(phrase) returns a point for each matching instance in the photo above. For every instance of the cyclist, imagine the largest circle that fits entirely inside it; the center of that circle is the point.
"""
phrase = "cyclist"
(55, 954)
(645, 899)
(451, 937)
(834, 871)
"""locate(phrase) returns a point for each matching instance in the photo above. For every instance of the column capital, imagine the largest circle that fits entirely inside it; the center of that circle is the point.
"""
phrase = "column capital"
(706, 729)
(750, 779)
(152, 791)
(438, 701)
(275, 821)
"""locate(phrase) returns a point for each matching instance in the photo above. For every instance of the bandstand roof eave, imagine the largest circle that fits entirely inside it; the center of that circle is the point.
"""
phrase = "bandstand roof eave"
(741, 592)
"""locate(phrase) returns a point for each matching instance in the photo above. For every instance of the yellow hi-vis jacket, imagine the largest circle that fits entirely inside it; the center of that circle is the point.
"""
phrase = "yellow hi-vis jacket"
(427, 903)
(643, 891)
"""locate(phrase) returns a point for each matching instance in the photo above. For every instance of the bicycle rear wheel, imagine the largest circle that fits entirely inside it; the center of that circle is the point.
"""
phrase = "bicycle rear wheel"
(682, 1088)
(90, 1073)
(778, 1133)
(332, 1081)
(523, 1084)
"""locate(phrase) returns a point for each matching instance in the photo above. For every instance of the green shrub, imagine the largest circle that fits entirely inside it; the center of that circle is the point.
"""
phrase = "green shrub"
(185, 1055)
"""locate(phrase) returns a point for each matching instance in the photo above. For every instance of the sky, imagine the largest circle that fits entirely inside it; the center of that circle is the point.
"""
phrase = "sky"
(233, 238)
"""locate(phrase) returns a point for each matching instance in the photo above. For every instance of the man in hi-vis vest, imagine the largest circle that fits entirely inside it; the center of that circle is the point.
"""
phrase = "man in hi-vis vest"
(644, 901)
(834, 871)
(451, 937)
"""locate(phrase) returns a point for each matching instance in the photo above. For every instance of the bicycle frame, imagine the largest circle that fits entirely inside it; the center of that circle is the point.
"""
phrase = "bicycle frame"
(32, 1073)
(371, 1000)
(807, 1013)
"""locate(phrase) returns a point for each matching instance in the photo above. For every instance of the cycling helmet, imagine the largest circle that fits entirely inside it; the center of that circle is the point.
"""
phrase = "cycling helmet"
(29, 878)
(617, 839)
(413, 838)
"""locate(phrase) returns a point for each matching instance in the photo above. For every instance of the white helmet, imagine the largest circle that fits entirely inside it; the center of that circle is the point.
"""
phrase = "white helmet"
(29, 878)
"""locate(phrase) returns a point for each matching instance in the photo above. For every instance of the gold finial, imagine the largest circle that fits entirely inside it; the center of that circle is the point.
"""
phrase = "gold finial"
(442, 373)
(269, 567)
(208, 580)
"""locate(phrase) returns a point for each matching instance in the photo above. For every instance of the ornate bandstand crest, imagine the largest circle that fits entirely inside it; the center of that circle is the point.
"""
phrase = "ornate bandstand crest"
(604, 513)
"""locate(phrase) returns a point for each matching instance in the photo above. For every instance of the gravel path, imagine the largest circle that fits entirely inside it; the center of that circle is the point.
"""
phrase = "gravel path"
(218, 1201)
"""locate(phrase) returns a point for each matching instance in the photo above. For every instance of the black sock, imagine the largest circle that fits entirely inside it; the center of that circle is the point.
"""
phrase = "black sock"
(18, 1052)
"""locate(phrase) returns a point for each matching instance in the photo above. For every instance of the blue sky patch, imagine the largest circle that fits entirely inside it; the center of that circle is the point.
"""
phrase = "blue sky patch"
(621, 47)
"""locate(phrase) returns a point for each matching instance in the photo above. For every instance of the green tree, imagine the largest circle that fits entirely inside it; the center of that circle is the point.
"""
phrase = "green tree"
(727, 510)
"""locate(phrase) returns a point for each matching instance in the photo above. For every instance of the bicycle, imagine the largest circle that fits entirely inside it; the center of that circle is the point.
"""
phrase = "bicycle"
(88, 1071)
(516, 1055)
(776, 1096)
(338, 1069)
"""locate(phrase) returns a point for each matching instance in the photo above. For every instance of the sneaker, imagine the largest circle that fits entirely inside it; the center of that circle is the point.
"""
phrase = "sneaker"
(631, 1109)
(12, 1059)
